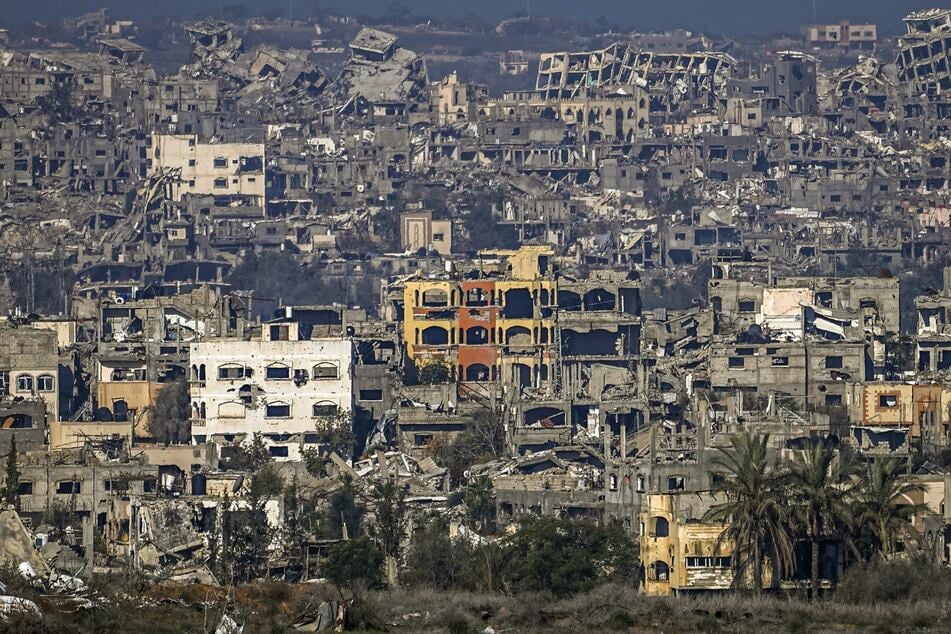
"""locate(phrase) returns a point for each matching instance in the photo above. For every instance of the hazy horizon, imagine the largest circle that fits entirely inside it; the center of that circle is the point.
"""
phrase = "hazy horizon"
(738, 17)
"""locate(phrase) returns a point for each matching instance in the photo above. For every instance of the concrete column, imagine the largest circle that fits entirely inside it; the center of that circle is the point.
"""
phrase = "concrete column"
(623, 443)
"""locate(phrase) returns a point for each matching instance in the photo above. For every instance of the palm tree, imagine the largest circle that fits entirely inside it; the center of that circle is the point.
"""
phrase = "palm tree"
(480, 501)
(755, 511)
(881, 515)
(819, 488)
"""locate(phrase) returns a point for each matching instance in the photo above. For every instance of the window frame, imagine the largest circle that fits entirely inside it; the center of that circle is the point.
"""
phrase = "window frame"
(232, 366)
(324, 365)
(325, 404)
(28, 379)
(277, 366)
(883, 404)
(43, 378)
(836, 365)
(281, 404)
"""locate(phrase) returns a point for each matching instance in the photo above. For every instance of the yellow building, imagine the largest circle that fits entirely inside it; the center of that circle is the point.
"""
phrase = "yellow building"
(920, 408)
(129, 399)
(72, 434)
(497, 326)
(453, 100)
(681, 553)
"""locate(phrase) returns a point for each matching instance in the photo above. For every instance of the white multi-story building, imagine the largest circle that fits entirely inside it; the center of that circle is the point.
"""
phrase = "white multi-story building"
(279, 386)
(220, 169)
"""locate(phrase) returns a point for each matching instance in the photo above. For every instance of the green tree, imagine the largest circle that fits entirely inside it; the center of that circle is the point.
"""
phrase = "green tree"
(334, 435)
(434, 374)
(435, 560)
(267, 483)
(170, 416)
(882, 509)
(247, 534)
(566, 557)
(480, 502)
(250, 455)
(354, 563)
(482, 440)
(820, 489)
(12, 483)
(389, 510)
(755, 511)
(343, 512)
(293, 529)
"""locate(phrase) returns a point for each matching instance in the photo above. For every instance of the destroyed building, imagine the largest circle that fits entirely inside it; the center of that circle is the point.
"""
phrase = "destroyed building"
(598, 280)
(282, 384)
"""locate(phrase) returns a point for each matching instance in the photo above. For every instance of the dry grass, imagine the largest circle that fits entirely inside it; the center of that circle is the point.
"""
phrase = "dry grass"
(274, 607)
(621, 609)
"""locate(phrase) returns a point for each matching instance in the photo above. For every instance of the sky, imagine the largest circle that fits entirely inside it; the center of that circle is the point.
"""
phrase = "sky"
(736, 17)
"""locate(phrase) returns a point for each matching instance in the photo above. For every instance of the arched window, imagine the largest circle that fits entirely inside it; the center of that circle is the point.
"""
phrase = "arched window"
(120, 410)
(435, 297)
(518, 336)
(277, 372)
(325, 408)
(659, 571)
(476, 297)
(277, 409)
(435, 336)
(568, 300)
(326, 370)
(599, 299)
(477, 372)
(477, 336)
(45, 383)
(661, 527)
(229, 372)
(521, 374)
(231, 409)
(25, 383)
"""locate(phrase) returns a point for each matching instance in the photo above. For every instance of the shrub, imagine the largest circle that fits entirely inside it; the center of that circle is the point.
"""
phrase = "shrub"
(882, 581)
(435, 560)
(564, 556)
(357, 562)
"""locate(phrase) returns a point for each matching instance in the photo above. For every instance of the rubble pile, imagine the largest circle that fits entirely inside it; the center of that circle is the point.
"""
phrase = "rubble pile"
(295, 295)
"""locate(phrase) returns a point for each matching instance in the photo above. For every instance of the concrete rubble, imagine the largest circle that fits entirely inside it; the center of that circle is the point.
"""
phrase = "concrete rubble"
(301, 247)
